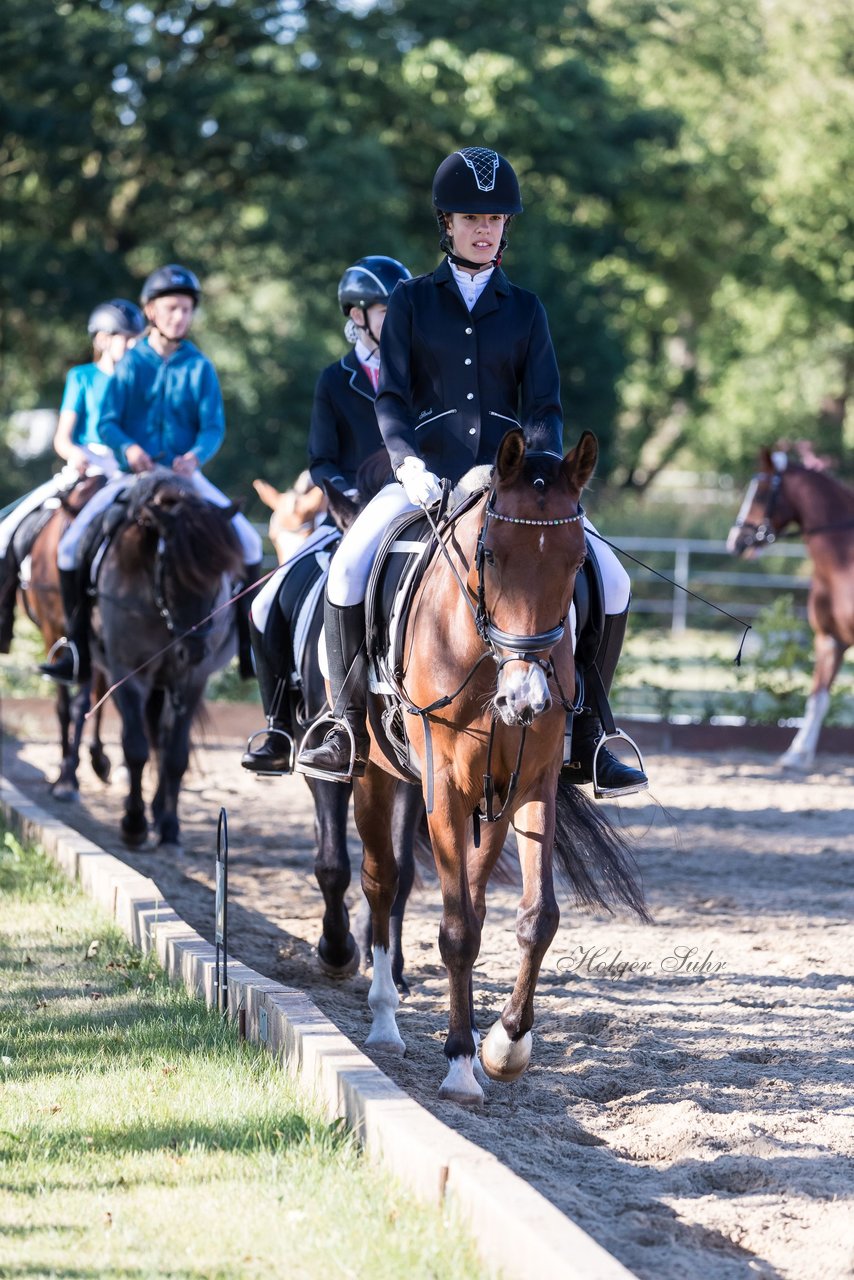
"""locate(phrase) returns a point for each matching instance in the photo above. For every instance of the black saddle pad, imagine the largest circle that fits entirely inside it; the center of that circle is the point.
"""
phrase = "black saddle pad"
(28, 530)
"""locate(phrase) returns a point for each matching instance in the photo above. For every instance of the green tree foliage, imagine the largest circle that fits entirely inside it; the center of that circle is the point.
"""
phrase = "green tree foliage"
(682, 168)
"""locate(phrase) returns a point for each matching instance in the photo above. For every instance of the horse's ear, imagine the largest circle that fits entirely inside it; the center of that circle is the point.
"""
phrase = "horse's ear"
(511, 455)
(268, 493)
(233, 509)
(580, 463)
(342, 509)
(766, 462)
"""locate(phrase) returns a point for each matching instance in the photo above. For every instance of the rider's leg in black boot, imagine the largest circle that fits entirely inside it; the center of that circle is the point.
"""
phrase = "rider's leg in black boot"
(73, 664)
(613, 777)
(274, 752)
(8, 591)
(345, 642)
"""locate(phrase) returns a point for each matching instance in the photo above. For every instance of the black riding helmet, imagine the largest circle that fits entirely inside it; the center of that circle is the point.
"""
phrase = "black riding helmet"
(474, 180)
(369, 281)
(117, 316)
(170, 279)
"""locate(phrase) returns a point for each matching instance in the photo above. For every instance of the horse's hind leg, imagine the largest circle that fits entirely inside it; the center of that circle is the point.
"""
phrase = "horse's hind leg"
(173, 758)
(65, 787)
(97, 755)
(506, 1050)
(373, 799)
(134, 825)
(337, 949)
(800, 755)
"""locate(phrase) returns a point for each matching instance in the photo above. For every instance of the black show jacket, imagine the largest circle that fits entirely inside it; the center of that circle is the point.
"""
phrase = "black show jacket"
(344, 430)
(452, 382)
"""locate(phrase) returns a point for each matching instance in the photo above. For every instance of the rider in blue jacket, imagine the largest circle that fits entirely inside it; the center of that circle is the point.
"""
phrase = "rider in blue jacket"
(163, 407)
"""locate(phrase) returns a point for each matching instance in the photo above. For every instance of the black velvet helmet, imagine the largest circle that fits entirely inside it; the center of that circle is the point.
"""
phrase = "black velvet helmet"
(370, 280)
(170, 279)
(476, 180)
(117, 316)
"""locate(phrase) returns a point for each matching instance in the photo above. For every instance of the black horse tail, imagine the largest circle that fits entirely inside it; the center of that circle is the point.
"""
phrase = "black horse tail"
(595, 858)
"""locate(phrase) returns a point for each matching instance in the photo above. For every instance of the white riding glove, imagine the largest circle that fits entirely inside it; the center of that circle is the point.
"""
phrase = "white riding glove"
(421, 486)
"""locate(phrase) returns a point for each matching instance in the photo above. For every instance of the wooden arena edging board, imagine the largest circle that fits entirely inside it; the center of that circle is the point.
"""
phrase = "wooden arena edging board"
(507, 1218)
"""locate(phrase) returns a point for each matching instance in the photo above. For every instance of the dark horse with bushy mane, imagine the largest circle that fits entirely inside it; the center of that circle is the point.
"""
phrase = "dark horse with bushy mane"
(160, 632)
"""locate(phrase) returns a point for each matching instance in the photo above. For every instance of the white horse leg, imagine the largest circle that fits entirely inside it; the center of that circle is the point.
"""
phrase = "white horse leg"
(384, 999)
(503, 1058)
(460, 1084)
(801, 753)
(479, 1074)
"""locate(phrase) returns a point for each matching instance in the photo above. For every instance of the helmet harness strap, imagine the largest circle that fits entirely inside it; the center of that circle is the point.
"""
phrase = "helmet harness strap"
(446, 244)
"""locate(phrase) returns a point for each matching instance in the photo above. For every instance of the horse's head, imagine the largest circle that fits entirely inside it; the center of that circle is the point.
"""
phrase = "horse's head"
(765, 509)
(184, 546)
(373, 474)
(295, 512)
(531, 546)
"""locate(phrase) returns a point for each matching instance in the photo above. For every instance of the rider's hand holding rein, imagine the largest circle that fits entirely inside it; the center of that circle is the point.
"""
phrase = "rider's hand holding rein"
(137, 459)
(422, 487)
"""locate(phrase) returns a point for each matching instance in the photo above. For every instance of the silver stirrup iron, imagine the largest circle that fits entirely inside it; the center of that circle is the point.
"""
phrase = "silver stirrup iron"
(327, 722)
(272, 732)
(64, 643)
(604, 793)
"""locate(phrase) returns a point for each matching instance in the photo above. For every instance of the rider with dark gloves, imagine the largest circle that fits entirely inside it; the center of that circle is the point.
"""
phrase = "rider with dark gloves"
(112, 326)
(466, 355)
(344, 432)
(162, 406)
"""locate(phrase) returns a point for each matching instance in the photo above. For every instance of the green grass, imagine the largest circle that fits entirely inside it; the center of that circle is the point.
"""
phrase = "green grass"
(139, 1138)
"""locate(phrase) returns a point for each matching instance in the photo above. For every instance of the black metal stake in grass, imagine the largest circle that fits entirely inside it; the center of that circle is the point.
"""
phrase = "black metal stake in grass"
(221, 928)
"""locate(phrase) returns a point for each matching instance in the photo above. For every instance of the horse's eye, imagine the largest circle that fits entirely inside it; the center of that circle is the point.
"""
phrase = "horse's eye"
(488, 556)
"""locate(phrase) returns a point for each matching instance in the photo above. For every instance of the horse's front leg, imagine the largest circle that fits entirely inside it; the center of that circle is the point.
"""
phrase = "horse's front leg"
(97, 755)
(70, 715)
(173, 758)
(337, 950)
(134, 825)
(407, 813)
(373, 799)
(828, 658)
(506, 1050)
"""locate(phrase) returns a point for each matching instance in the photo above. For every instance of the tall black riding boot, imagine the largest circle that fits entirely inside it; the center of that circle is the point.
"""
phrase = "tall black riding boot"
(73, 665)
(251, 574)
(345, 644)
(274, 755)
(612, 776)
(8, 591)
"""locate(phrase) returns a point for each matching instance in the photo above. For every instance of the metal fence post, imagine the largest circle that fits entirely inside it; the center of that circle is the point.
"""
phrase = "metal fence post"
(221, 913)
(681, 576)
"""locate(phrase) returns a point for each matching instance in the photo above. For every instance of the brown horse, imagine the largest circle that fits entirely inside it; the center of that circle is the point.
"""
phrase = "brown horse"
(295, 513)
(488, 631)
(40, 598)
(822, 510)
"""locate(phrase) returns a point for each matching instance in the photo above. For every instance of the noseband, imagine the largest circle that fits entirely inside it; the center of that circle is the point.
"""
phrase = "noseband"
(759, 535)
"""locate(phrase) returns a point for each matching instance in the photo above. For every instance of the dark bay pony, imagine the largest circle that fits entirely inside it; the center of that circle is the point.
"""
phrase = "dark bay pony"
(782, 495)
(489, 626)
(40, 599)
(168, 568)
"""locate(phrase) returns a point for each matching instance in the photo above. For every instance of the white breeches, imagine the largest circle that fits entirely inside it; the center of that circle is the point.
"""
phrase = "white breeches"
(351, 564)
(250, 542)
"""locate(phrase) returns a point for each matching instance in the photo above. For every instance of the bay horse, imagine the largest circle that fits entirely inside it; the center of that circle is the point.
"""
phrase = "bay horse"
(40, 598)
(821, 508)
(487, 635)
(296, 512)
(159, 632)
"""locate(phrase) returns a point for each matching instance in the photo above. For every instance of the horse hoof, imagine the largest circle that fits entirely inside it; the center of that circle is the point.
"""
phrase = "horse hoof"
(503, 1058)
(134, 835)
(795, 764)
(332, 970)
(460, 1084)
(382, 1042)
(102, 768)
(65, 791)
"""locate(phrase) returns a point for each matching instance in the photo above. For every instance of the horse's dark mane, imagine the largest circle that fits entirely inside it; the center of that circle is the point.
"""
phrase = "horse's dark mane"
(201, 540)
(823, 481)
(539, 440)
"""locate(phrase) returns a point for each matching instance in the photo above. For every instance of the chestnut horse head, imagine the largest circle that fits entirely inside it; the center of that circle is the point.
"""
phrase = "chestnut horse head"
(490, 676)
(820, 508)
(295, 512)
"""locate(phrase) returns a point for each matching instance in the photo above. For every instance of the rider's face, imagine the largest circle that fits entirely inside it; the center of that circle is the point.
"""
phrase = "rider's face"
(373, 318)
(172, 315)
(118, 345)
(476, 236)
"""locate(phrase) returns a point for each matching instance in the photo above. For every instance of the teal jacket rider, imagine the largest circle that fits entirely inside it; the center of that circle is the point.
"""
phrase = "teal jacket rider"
(169, 407)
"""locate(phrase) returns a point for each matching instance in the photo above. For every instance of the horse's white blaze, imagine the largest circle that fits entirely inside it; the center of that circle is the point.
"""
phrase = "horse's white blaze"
(801, 753)
(460, 1084)
(523, 687)
(744, 512)
(383, 999)
(503, 1058)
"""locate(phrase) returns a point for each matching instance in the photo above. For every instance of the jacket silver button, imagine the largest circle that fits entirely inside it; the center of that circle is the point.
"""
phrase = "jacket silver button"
(470, 396)
(469, 330)
(472, 431)
(468, 360)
